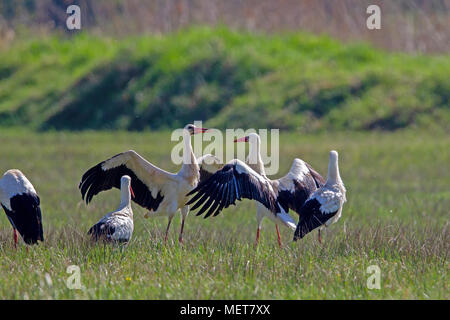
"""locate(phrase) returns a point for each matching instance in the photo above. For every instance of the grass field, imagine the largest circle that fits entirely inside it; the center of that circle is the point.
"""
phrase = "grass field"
(396, 217)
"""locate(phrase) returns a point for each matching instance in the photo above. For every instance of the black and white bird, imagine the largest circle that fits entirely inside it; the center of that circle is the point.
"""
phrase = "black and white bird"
(159, 191)
(22, 206)
(324, 207)
(117, 226)
(248, 180)
(209, 164)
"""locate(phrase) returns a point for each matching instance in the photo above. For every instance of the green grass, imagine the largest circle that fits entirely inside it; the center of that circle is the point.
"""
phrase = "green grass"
(289, 81)
(396, 217)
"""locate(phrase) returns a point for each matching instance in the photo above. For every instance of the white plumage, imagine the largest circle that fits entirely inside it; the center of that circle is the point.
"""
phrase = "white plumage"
(117, 225)
(324, 207)
(14, 183)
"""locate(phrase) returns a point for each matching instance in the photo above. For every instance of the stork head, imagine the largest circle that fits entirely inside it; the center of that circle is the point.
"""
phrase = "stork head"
(125, 183)
(243, 139)
(252, 137)
(192, 129)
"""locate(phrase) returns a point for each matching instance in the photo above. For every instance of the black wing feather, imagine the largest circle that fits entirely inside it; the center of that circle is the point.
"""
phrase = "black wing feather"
(311, 217)
(303, 189)
(226, 186)
(318, 179)
(25, 215)
(96, 180)
(216, 202)
(204, 174)
(101, 230)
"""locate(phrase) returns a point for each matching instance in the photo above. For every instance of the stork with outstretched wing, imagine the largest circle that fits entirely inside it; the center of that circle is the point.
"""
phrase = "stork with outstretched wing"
(237, 180)
(159, 191)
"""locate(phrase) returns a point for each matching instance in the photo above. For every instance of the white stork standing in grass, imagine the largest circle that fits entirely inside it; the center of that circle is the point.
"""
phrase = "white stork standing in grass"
(274, 197)
(117, 225)
(21, 204)
(157, 190)
(324, 207)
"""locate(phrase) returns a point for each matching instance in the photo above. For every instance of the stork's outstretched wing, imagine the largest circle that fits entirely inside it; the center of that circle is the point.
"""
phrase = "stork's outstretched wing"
(149, 182)
(297, 185)
(234, 181)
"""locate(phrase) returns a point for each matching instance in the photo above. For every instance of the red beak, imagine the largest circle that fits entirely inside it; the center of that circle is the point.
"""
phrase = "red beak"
(200, 130)
(132, 193)
(244, 139)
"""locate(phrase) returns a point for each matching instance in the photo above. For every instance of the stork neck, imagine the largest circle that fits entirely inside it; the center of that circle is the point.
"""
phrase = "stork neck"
(190, 166)
(333, 176)
(254, 156)
(188, 154)
(125, 197)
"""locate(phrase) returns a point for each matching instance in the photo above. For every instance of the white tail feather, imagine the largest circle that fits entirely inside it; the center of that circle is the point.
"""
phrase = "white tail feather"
(287, 220)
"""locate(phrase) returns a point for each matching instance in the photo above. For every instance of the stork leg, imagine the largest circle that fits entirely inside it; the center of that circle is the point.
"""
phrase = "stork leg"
(320, 237)
(278, 235)
(184, 212)
(15, 237)
(167, 230)
(180, 238)
(257, 236)
(259, 219)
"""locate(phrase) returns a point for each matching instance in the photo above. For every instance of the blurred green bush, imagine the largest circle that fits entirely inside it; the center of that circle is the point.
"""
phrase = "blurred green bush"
(292, 81)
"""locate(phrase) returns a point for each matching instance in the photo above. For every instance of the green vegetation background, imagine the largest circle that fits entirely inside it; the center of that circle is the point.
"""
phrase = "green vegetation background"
(292, 81)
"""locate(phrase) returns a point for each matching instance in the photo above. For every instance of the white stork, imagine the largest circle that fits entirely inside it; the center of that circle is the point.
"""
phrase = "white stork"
(21, 204)
(117, 225)
(157, 190)
(324, 207)
(238, 179)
